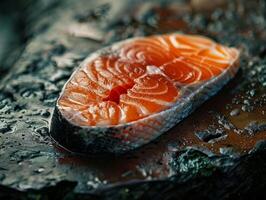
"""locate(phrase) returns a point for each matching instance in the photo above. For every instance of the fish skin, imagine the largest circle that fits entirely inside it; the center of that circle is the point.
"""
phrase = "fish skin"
(121, 138)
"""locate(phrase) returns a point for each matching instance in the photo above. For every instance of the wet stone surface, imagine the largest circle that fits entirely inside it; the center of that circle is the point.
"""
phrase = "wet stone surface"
(217, 145)
(210, 134)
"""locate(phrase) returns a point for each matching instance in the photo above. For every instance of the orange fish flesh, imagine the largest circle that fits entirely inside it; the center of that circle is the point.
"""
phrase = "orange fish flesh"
(126, 95)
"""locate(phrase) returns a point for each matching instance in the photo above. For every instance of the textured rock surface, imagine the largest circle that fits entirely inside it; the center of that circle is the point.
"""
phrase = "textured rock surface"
(218, 152)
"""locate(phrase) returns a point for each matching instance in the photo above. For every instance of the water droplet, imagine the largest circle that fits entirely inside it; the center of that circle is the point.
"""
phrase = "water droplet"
(45, 113)
(43, 131)
(39, 170)
(2, 177)
(229, 151)
(246, 102)
(252, 92)
(235, 112)
(210, 134)
(247, 108)
(4, 128)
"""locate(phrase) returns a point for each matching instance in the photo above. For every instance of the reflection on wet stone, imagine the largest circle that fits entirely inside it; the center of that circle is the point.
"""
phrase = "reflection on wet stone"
(210, 134)
(4, 128)
(235, 112)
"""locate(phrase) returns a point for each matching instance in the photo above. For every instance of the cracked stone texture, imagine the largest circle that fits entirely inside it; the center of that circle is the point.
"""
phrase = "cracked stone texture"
(218, 152)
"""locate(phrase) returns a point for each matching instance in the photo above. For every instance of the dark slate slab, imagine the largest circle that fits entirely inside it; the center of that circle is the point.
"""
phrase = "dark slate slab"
(180, 164)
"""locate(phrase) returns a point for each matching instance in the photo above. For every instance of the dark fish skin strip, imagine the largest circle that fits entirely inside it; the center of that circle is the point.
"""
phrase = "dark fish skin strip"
(77, 139)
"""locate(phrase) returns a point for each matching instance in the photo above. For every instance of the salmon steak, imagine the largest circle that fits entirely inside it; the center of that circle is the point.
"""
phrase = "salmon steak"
(127, 94)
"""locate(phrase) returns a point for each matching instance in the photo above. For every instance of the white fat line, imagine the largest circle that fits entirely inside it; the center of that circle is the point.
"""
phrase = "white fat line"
(192, 65)
(234, 58)
(74, 114)
(162, 40)
(181, 59)
(225, 54)
(203, 44)
(153, 100)
(79, 85)
(75, 94)
(74, 101)
(93, 90)
(151, 69)
(117, 67)
(83, 107)
(174, 41)
(134, 54)
(151, 93)
(140, 55)
(139, 86)
(81, 117)
(123, 76)
(197, 69)
(113, 71)
(220, 61)
(201, 59)
(107, 75)
(93, 79)
(214, 50)
(140, 108)
(87, 71)
(122, 115)
(111, 111)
